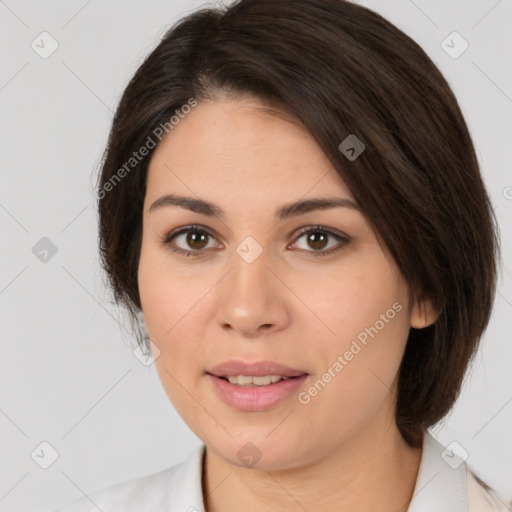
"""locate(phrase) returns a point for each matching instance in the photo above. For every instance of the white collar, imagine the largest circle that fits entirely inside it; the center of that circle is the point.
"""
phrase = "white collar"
(439, 486)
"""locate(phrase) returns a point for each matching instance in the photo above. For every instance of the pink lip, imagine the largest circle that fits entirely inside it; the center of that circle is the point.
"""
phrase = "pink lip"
(236, 367)
(252, 399)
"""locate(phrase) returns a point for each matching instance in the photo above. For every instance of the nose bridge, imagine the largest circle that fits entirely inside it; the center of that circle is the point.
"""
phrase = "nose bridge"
(251, 278)
(253, 296)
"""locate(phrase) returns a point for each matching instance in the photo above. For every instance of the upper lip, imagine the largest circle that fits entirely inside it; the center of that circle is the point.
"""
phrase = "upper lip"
(256, 369)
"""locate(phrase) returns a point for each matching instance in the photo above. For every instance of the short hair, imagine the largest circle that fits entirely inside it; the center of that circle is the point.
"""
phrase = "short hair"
(340, 69)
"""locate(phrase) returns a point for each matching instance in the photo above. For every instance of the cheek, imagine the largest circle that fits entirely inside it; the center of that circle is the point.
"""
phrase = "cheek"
(366, 312)
(168, 307)
(361, 300)
(163, 294)
(171, 301)
(356, 380)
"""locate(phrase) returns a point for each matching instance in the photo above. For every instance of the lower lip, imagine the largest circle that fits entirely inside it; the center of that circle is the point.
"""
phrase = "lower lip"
(255, 398)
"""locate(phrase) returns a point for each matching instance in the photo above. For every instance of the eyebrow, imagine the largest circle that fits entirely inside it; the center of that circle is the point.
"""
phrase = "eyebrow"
(284, 212)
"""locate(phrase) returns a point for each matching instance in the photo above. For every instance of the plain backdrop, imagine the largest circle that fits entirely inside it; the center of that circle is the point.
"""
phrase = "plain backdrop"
(69, 377)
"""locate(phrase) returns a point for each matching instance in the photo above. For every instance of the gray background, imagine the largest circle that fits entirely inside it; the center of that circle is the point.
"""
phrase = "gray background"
(68, 374)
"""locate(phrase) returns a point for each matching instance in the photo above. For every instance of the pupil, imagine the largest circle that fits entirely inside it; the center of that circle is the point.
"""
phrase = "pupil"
(193, 238)
(313, 239)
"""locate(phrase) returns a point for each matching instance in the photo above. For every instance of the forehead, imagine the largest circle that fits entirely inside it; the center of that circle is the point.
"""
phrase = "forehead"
(238, 147)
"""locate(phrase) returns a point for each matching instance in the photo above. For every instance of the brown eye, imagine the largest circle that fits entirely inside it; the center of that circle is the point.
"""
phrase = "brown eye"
(193, 240)
(196, 239)
(189, 241)
(317, 238)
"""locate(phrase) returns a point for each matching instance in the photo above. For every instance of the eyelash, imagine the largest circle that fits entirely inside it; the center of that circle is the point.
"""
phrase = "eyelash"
(197, 253)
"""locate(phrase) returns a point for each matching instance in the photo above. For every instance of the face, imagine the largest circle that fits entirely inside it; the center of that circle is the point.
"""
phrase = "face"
(312, 290)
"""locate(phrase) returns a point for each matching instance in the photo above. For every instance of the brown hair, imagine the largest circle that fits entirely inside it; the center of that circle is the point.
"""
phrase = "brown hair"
(340, 69)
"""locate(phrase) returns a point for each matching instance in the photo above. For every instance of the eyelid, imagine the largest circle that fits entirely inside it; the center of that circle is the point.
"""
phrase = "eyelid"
(318, 227)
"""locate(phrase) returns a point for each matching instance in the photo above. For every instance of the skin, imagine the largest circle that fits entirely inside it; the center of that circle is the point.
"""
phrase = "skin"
(290, 305)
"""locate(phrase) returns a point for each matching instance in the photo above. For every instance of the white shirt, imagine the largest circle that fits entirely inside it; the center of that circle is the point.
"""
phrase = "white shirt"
(440, 487)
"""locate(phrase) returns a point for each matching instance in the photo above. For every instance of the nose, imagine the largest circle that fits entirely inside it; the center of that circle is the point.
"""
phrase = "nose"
(252, 299)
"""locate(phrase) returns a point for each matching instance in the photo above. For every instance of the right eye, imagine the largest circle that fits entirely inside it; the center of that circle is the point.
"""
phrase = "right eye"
(193, 237)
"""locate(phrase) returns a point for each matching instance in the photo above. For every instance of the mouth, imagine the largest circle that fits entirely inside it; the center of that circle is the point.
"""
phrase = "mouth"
(249, 381)
(255, 386)
(254, 397)
(245, 371)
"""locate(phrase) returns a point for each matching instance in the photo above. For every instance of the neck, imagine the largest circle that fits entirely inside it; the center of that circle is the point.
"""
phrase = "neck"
(373, 471)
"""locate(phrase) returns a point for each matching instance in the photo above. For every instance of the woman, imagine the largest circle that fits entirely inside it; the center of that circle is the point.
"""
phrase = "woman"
(290, 198)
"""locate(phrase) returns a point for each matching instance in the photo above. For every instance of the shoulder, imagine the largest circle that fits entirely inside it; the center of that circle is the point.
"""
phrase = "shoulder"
(446, 482)
(164, 490)
(482, 498)
(135, 494)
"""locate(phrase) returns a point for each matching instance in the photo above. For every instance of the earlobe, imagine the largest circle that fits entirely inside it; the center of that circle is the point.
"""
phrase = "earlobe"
(423, 314)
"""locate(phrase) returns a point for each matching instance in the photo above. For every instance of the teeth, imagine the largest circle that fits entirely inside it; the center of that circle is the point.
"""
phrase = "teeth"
(249, 381)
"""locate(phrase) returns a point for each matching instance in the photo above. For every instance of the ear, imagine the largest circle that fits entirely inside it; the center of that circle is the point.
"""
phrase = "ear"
(423, 314)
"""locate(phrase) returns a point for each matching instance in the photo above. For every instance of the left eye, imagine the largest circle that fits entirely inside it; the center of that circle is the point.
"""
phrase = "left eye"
(197, 237)
(318, 236)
